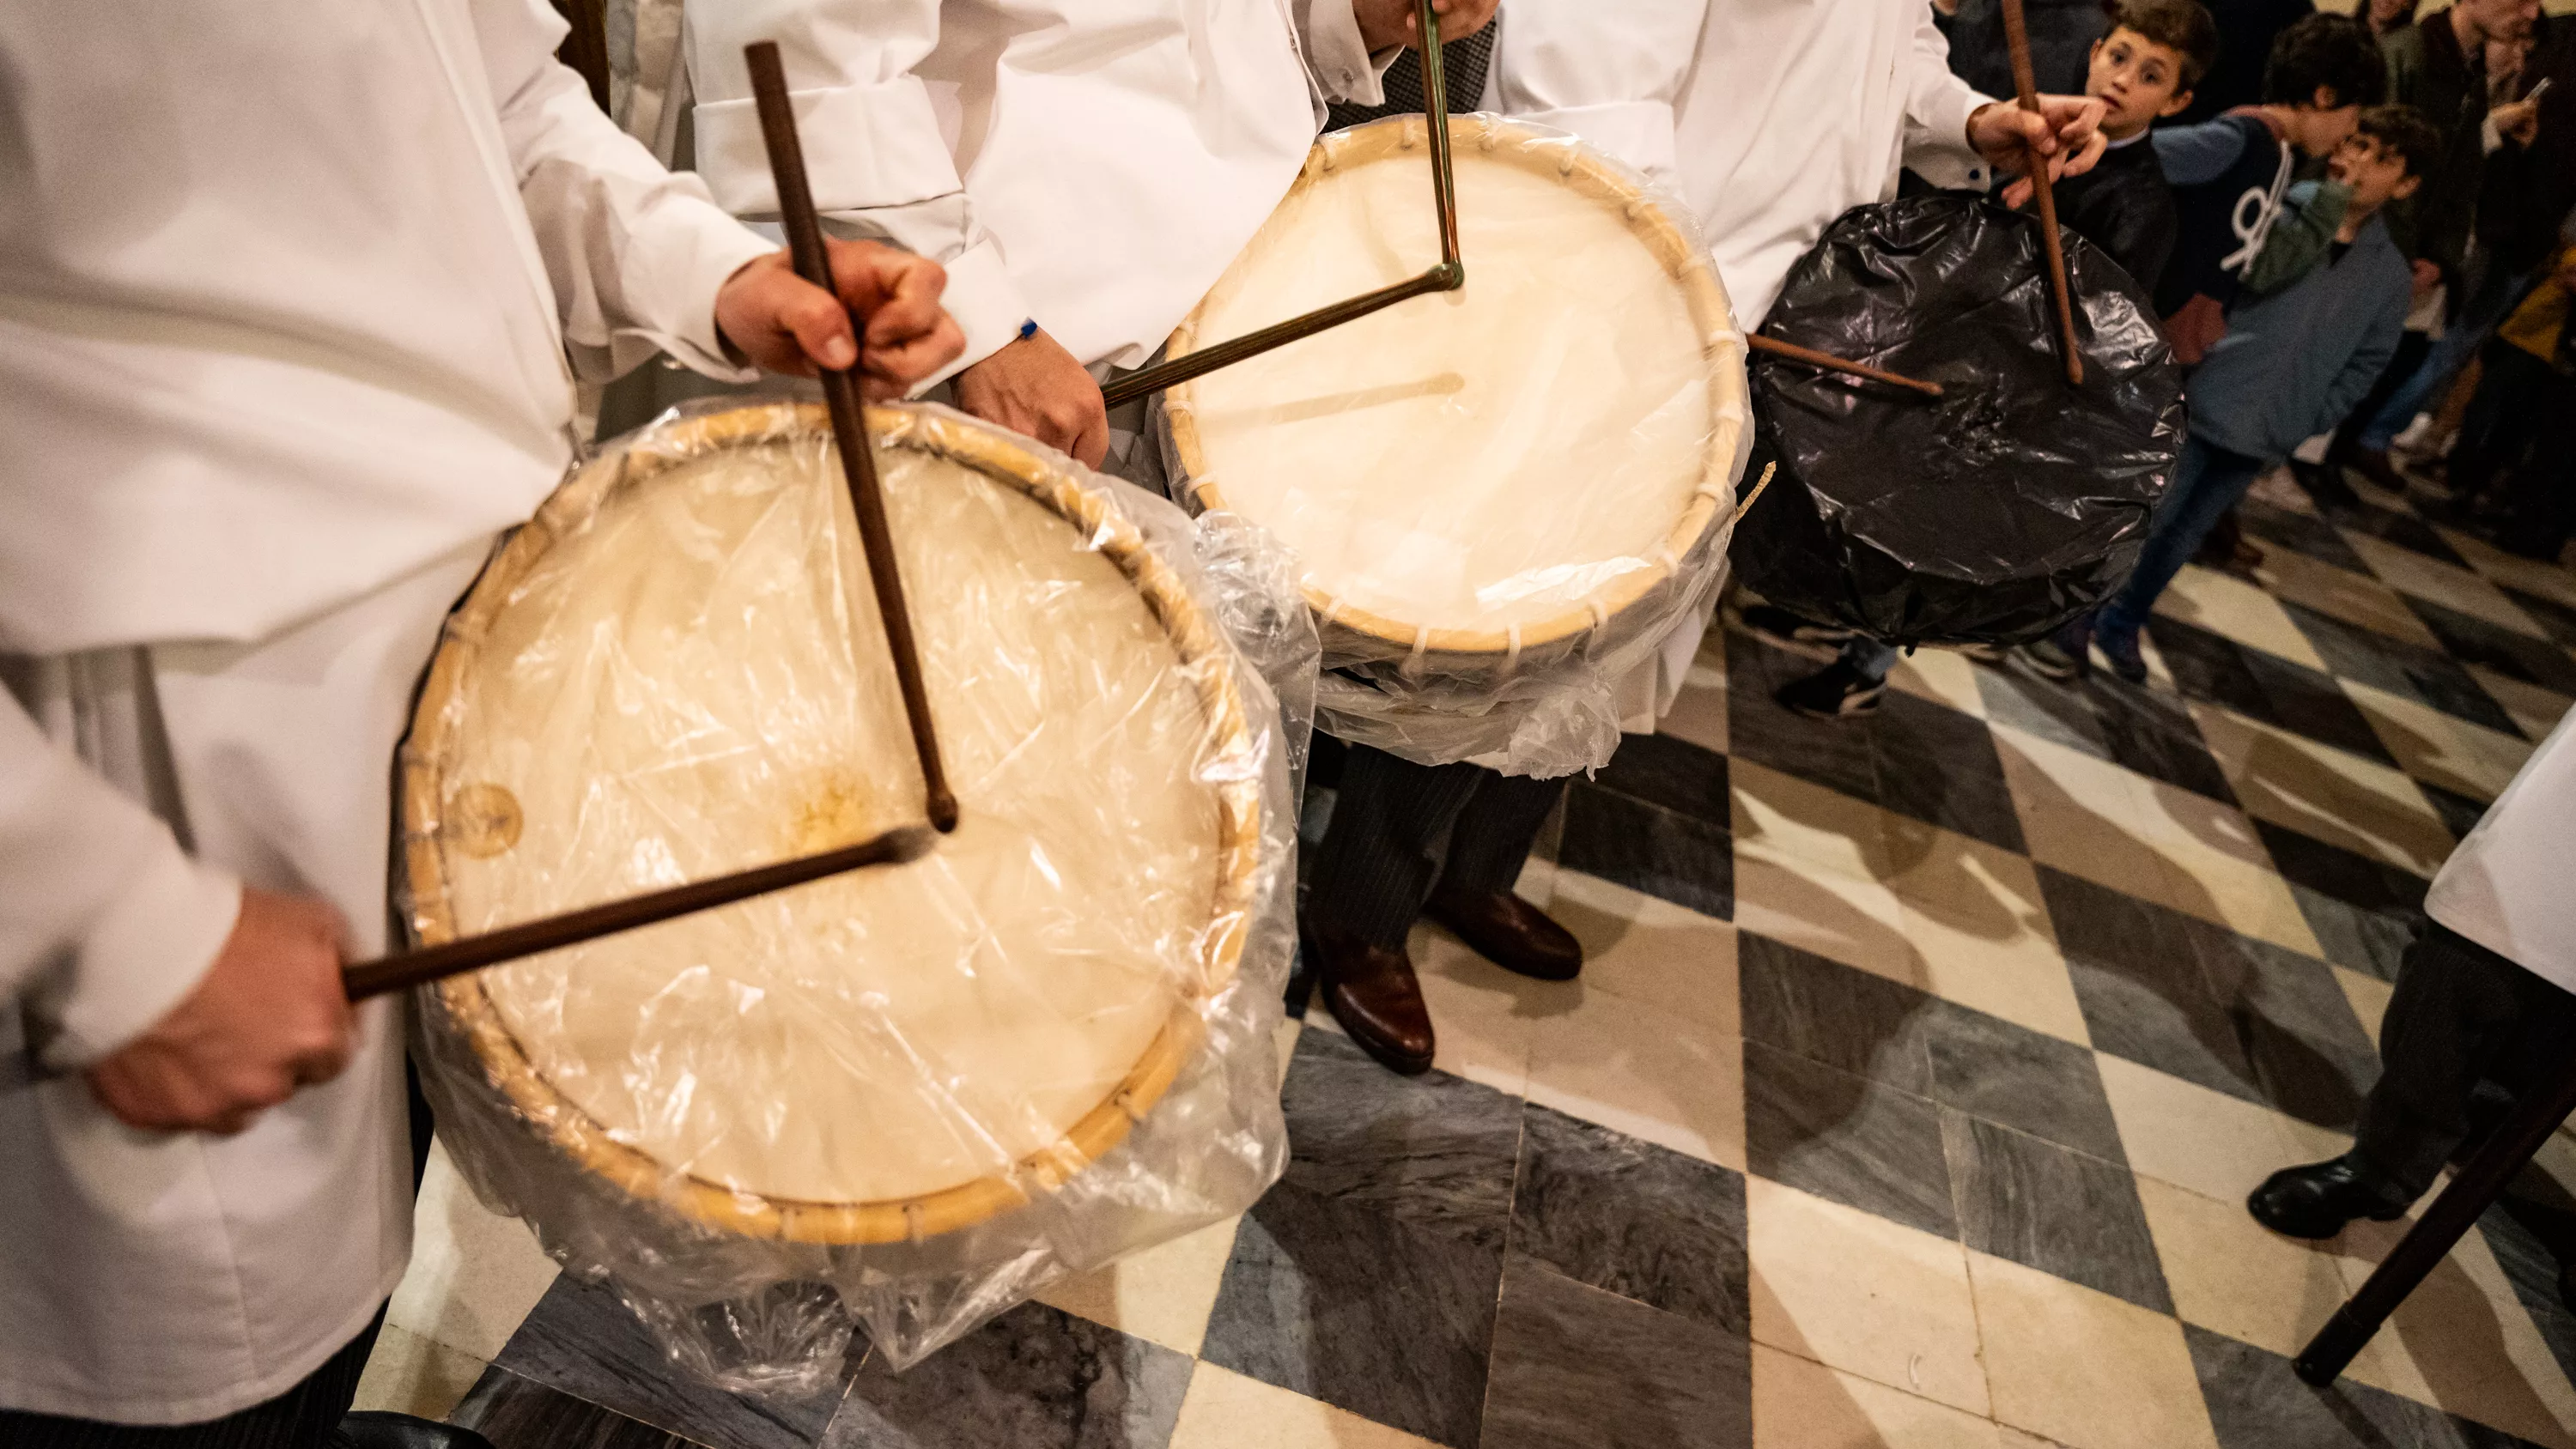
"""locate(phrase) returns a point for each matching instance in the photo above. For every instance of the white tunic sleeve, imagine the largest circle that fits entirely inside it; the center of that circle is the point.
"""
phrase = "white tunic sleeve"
(875, 154)
(104, 922)
(1937, 107)
(636, 254)
(1610, 74)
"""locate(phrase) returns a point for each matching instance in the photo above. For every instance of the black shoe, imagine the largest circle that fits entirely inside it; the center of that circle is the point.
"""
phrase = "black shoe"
(373, 1429)
(2064, 656)
(1789, 631)
(1835, 692)
(2121, 649)
(2317, 1200)
(2324, 483)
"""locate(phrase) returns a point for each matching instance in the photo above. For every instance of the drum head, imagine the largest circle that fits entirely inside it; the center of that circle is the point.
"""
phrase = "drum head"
(1489, 468)
(678, 671)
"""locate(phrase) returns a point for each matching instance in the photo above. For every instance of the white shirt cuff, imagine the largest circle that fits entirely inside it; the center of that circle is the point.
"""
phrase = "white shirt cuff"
(144, 953)
(716, 247)
(987, 303)
(1340, 61)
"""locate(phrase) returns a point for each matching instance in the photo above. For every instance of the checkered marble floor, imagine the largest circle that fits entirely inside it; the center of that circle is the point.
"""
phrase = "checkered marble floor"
(1909, 1098)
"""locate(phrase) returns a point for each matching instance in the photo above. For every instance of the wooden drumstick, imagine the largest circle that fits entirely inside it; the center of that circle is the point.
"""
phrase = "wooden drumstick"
(473, 953)
(2017, 37)
(849, 418)
(1830, 363)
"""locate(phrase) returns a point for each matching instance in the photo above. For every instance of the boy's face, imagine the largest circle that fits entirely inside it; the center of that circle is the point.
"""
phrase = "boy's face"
(2139, 79)
(2321, 127)
(2376, 174)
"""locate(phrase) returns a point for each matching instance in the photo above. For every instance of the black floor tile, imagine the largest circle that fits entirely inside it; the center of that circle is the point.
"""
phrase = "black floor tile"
(1577, 1368)
(2305, 702)
(2051, 1208)
(2529, 1240)
(582, 1340)
(1939, 766)
(2310, 1055)
(517, 1413)
(1436, 1152)
(1760, 729)
(2302, 532)
(2347, 876)
(2371, 942)
(2508, 652)
(2461, 813)
(1632, 1218)
(1647, 848)
(2401, 528)
(2002, 1072)
(2559, 619)
(1674, 773)
(1347, 1305)
(2426, 676)
(2139, 981)
(1846, 1139)
(2256, 1401)
(1831, 1013)
(2152, 733)
(1034, 1378)
(2209, 666)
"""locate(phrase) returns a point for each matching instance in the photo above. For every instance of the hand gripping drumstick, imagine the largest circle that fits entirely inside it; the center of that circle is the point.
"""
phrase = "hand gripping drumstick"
(849, 420)
(473, 953)
(2017, 37)
(1830, 363)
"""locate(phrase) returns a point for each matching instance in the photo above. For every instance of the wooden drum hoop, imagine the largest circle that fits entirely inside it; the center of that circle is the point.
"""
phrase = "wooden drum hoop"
(1586, 173)
(564, 1127)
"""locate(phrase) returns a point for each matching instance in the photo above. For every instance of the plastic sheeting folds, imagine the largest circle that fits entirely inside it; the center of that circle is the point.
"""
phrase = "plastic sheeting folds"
(904, 1097)
(1996, 513)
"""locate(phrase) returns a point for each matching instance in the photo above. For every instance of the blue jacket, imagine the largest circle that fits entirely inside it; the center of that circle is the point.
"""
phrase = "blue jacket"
(2293, 364)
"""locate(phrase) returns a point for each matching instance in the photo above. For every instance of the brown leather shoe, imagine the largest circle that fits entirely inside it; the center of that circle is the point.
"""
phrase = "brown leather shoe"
(1511, 933)
(1375, 997)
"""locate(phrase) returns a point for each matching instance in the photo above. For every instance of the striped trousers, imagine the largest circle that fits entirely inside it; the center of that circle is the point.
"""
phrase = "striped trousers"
(1399, 828)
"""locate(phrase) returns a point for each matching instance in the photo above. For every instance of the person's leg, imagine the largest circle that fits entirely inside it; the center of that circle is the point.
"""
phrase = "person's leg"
(2207, 482)
(1392, 820)
(2412, 349)
(2501, 421)
(2457, 1010)
(1474, 898)
(2468, 332)
(1853, 684)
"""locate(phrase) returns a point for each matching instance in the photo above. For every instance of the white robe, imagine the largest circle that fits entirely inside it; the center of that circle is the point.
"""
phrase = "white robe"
(291, 300)
(1769, 118)
(2508, 885)
(1092, 165)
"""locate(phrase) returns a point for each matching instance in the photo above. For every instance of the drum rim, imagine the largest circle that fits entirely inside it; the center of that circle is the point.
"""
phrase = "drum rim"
(1587, 172)
(563, 1126)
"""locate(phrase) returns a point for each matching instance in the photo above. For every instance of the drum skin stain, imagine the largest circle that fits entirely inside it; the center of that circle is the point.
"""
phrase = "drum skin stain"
(846, 809)
(483, 820)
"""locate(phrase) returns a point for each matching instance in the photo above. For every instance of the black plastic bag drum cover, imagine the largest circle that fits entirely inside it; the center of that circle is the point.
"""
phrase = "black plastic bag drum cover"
(2005, 508)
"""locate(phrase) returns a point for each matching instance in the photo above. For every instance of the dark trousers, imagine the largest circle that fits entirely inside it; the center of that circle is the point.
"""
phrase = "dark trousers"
(2461, 1015)
(2207, 482)
(303, 1417)
(2412, 349)
(2503, 419)
(1398, 828)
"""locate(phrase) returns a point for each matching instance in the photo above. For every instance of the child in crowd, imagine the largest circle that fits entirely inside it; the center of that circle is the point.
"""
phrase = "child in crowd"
(2230, 174)
(2144, 69)
(2291, 364)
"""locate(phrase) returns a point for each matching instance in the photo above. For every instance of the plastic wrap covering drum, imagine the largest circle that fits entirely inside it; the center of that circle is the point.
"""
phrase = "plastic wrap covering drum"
(1997, 512)
(1502, 497)
(904, 1097)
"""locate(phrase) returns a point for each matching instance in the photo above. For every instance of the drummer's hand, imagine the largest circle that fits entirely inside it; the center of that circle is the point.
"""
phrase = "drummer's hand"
(2067, 130)
(782, 322)
(1394, 22)
(1033, 386)
(268, 1017)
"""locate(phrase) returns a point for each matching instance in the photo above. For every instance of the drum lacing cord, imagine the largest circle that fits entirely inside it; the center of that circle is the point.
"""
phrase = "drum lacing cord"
(1746, 506)
(1198, 490)
(912, 1233)
(1421, 643)
(1511, 651)
(1600, 614)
